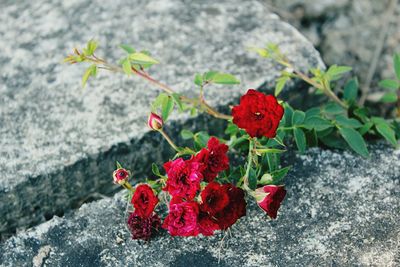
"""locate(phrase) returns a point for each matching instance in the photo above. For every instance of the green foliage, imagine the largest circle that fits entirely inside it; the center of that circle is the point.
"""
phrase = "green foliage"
(155, 170)
(90, 72)
(127, 48)
(186, 134)
(215, 77)
(392, 86)
(300, 139)
(396, 64)
(90, 48)
(280, 82)
(351, 91)
(142, 58)
(354, 140)
(163, 103)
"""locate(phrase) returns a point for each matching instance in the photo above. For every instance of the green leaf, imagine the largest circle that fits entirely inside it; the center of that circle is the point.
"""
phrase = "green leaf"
(90, 71)
(325, 132)
(201, 139)
(128, 49)
(317, 123)
(220, 78)
(389, 84)
(300, 139)
(366, 127)
(280, 84)
(387, 132)
(334, 109)
(252, 179)
(167, 107)
(154, 169)
(351, 90)
(126, 66)
(396, 63)
(335, 72)
(276, 177)
(288, 114)
(158, 102)
(90, 48)
(347, 122)
(209, 75)
(198, 79)
(390, 97)
(142, 58)
(273, 162)
(362, 113)
(260, 51)
(332, 140)
(177, 99)
(231, 129)
(119, 166)
(270, 150)
(298, 117)
(313, 112)
(186, 134)
(354, 140)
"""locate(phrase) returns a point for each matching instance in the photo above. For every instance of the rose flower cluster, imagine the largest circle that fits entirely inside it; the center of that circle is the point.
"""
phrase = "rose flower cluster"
(197, 202)
(220, 205)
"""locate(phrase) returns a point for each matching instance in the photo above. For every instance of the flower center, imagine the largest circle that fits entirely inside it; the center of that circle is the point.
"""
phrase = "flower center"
(258, 116)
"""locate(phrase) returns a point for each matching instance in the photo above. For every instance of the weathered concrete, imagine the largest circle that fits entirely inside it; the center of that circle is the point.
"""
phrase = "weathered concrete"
(58, 142)
(341, 210)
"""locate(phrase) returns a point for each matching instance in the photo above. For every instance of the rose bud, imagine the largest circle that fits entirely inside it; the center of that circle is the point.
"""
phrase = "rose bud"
(155, 122)
(269, 198)
(121, 176)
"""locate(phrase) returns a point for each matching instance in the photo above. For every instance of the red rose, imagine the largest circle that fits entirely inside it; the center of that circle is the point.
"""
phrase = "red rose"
(184, 178)
(214, 159)
(144, 200)
(258, 114)
(235, 209)
(120, 176)
(182, 218)
(269, 198)
(143, 228)
(206, 224)
(214, 198)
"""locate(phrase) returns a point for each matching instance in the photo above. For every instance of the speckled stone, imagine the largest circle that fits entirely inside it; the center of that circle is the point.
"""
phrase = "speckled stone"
(59, 142)
(340, 210)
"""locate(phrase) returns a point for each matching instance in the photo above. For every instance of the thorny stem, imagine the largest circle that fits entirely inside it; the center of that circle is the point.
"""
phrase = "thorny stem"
(207, 108)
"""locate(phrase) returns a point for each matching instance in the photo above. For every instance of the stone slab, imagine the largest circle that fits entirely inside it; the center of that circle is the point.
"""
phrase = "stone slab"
(59, 142)
(340, 210)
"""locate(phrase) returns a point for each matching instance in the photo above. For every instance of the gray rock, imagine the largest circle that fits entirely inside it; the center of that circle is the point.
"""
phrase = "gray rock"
(347, 32)
(59, 142)
(340, 210)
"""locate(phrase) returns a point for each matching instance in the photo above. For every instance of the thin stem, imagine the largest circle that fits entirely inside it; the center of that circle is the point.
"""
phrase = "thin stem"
(285, 62)
(325, 89)
(128, 186)
(207, 108)
(169, 140)
(249, 163)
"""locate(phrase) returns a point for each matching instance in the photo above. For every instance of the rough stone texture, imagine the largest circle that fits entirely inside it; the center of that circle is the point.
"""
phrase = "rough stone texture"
(346, 32)
(340, 210)
(58, 142)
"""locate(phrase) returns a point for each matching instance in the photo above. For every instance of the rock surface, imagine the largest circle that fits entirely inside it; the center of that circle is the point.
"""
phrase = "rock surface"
(58, 142)
(347, 32)
(340, 210)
